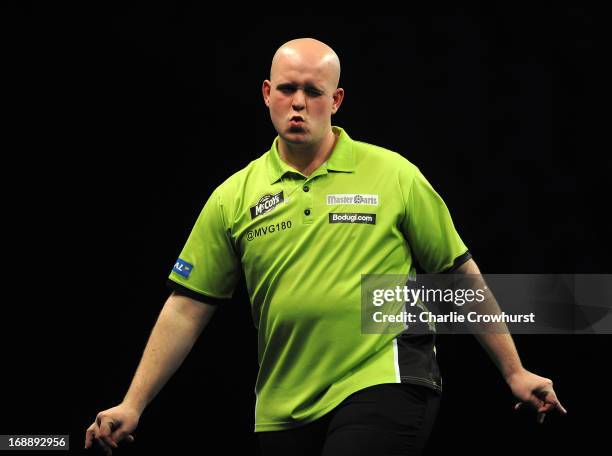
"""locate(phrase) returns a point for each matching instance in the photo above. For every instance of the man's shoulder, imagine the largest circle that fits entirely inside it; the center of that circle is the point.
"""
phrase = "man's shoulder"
(370, 155)
(255, 169)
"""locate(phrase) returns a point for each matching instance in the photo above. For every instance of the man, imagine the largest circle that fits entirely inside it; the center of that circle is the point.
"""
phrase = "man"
(303, 222)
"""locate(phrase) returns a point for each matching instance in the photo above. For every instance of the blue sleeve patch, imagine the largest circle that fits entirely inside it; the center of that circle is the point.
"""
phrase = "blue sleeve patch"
(181, 267)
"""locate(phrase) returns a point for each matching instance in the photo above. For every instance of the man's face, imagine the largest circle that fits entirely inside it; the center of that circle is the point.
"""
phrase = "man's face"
(302, 98)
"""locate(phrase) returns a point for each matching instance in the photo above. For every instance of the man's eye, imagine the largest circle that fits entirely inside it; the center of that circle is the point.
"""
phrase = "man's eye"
(310, 92)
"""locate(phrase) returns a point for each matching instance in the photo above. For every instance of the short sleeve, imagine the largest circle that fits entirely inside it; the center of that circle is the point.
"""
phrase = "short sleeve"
(208, 267)
(429, 229)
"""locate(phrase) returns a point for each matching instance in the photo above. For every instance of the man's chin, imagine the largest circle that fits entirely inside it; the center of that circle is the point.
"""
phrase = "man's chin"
(296, 136)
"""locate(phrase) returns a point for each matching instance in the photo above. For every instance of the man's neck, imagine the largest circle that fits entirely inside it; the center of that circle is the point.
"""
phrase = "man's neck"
(307, 158)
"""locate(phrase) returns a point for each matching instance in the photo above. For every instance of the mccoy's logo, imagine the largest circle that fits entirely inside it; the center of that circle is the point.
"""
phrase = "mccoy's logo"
(266, 204)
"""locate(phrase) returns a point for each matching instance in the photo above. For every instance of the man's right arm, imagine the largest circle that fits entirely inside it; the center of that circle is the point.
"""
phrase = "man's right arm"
(178, 326)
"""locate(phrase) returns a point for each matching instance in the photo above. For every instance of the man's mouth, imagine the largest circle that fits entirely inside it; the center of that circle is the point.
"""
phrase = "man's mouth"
(296, 121)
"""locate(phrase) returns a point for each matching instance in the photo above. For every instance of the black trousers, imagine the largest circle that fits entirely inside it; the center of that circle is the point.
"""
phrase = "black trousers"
(380, 420)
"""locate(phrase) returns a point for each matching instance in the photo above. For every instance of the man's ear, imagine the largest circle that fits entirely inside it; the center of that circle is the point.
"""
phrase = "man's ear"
(265, 91)
(338, 97)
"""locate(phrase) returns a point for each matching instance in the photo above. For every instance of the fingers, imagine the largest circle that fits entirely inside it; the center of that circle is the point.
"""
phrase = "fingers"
(543, 407)
(556, 405)
(120, 435)
(561, 408)
(100, 431)
(538, 392)
(105, 432)
(550, 398)
(536, 402)
(90, 434)
(105, 448)
(541, 411)
(533, 401)
(538, 405)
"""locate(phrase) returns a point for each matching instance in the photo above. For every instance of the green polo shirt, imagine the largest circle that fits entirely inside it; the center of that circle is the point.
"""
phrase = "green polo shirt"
(303, 244)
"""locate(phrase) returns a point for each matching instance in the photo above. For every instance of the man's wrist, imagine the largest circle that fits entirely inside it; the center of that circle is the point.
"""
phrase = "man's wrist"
(513, 373)
(137, 406)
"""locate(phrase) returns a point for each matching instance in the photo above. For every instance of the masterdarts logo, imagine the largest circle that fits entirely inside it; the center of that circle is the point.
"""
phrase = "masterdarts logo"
(266, 204)
(352, 198)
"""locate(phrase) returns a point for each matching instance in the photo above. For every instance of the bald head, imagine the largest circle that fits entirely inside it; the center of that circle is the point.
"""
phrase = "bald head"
(303, 94)
(309, 53)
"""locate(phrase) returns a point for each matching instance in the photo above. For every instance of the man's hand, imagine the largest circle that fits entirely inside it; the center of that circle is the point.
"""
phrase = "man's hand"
(536, 391)
(111, 427)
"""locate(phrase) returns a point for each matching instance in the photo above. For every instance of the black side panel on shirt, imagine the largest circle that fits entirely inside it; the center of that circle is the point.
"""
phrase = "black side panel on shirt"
(415, 352)
(184, 291)
(417, 361)
(458, 262)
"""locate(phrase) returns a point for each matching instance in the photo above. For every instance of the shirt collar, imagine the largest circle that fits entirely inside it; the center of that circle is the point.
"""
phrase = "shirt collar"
(341, 159)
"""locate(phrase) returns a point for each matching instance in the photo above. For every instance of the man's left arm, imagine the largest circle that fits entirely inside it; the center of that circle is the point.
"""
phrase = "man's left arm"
(526, 386)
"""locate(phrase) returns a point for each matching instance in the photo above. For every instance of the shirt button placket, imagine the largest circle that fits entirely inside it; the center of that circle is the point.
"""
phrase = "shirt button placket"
(307, 214)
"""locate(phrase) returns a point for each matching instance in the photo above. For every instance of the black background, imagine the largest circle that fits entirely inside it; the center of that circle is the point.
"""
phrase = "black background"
(121, 122)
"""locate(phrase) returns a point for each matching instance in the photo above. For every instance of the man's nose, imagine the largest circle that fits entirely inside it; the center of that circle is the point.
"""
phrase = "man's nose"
(299, 100)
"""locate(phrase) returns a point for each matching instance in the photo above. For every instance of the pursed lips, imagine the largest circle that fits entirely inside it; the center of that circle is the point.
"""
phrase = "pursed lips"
(296, 121)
